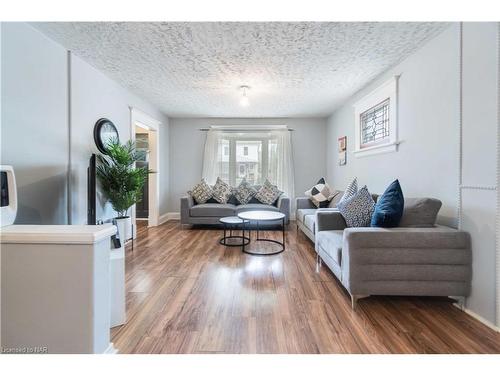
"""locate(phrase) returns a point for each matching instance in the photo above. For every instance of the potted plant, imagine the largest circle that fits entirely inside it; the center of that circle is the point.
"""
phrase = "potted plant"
(121, 181)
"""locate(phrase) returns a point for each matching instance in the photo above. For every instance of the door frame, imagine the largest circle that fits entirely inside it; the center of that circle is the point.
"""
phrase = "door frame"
(143, 120)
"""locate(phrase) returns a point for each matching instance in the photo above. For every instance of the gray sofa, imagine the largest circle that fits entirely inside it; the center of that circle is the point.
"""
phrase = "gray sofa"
(210, 213)
(418, 258)
(305, 213)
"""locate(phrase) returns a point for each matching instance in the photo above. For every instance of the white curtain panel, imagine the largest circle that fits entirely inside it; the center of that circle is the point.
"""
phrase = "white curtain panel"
(275, 158)
(212, 157)
(281, 171)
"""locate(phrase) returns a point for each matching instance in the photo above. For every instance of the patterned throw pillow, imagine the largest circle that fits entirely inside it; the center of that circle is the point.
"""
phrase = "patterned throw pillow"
(268, 193)
(358, 209)
(321, 194)
(350, 190)
(244, 192)
(221, 191)
(201, 192)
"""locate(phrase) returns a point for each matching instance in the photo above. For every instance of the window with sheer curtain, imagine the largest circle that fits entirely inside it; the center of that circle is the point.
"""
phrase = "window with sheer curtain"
(251, 155)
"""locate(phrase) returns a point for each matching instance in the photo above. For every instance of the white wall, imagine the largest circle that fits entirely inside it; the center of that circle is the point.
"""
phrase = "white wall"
(93, 95)
(480, 82)
(428, 163)
(35, 129)
(187, 145)
(34, 122)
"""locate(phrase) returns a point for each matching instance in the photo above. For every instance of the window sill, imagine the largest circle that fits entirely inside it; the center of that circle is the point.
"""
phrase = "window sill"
(374, 150)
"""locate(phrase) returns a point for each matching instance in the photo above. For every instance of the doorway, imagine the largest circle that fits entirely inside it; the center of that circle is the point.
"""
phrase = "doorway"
(144, 131)
(142, 148)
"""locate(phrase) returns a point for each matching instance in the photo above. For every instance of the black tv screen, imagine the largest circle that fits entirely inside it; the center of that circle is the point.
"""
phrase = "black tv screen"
(4, 198)
(91, 192)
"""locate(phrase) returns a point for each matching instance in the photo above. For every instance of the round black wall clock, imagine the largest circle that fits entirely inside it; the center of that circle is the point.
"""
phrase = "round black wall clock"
(104, 132)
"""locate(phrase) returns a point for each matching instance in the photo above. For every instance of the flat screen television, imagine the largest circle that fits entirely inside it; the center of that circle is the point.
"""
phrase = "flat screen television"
(91, 192)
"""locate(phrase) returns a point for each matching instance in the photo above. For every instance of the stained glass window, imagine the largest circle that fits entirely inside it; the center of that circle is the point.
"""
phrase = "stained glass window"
(374, 124)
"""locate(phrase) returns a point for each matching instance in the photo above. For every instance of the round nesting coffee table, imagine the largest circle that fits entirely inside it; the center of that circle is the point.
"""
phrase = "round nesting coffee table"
(232, 222)
(258, 216)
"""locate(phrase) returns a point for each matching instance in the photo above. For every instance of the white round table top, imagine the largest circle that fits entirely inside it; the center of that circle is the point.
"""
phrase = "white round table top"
(231, 220)
(261, 215)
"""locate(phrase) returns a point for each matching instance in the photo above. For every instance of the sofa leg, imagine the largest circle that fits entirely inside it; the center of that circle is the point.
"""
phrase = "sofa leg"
(318, 263)
(355, 298)
(460, 302)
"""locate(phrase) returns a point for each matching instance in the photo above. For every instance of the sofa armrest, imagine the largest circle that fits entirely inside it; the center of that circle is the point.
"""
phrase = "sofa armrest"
(186, 203)
(303, 202)
(403, 248)
(284, 206)
(329, 220)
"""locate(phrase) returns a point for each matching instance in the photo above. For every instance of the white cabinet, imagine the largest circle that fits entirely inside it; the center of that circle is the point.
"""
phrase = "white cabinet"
(56, 288)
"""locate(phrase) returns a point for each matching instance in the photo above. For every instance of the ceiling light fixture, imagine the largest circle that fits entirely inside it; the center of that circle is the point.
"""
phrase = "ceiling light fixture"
(244, 101)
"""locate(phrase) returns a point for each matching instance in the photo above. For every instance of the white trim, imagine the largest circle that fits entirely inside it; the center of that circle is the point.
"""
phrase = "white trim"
(110, 349)
(379, 149)
(479, 318)
(497, 219)
(248, 128)
(169, 216)
(143, 120)
(388, 90)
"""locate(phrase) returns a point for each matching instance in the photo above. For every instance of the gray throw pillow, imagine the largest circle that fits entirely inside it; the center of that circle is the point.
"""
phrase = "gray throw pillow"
(244, 192)
(221, 191)
(420, 212)
(350, 191)
(201, 192)
(358, 209)
(268, 193)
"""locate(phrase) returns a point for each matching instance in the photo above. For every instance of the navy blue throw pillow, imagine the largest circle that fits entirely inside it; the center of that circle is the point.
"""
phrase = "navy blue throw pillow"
(389, 207)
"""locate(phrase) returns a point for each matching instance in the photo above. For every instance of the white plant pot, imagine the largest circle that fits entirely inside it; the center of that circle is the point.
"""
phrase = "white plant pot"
(125, 228)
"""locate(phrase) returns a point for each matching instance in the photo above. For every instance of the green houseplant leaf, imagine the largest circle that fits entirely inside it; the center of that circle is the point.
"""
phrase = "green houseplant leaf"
(121, 182)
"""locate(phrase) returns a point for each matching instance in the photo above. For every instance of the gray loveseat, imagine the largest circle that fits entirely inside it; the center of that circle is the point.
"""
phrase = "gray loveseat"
(417, 258)
(210, 213)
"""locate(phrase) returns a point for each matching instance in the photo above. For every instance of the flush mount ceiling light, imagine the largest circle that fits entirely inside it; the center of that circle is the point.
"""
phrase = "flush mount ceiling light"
(244, 101)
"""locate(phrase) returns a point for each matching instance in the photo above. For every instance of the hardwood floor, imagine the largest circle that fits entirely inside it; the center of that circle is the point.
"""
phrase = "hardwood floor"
(186, 293)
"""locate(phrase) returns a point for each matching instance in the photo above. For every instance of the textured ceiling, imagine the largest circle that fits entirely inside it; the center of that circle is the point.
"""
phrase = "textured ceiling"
(195, 69)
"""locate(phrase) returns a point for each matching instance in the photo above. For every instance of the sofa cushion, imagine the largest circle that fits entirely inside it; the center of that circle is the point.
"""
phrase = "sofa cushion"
(420, 212)
(244, 192)
(213, 210)
(389, 207)
(330, 241)
(268, 193)
(358, 210)
(255, 207)
(221, 191)
(302, 212)
(310, 222)
(201, 192)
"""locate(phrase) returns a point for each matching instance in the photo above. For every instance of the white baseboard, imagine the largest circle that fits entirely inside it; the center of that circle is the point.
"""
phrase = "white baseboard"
(111, 349)
(478, 318)
(169, 216)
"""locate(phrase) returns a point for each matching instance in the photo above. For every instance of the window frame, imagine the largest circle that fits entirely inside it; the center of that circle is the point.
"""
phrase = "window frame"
(234, 172)
(386, 91)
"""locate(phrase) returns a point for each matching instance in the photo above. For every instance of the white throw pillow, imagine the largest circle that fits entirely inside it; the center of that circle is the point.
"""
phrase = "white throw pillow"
(221, 191)
(268, 193)
(358, 209)
(350, 190)
(321, 194)
(201, 192)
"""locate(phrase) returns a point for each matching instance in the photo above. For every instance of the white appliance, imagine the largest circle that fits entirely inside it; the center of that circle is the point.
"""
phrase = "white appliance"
(55, 283)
